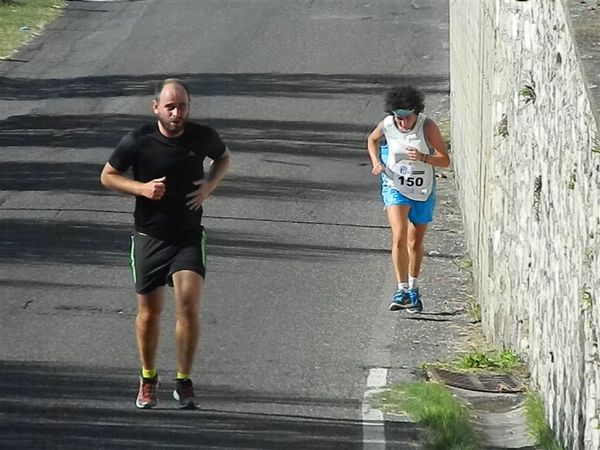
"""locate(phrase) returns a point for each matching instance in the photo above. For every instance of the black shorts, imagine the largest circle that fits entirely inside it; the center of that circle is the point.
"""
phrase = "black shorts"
(154, 261)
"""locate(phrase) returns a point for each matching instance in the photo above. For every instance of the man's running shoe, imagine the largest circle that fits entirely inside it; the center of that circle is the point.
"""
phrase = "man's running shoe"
(184, 393)
(146, 397)
(416, 305)
(400, 300)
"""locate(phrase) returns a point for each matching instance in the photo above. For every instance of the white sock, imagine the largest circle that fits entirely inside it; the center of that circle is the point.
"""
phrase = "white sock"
(413, 283)
(403, 285)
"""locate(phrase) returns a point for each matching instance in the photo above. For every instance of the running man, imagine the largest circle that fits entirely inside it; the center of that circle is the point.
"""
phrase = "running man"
(411, 146)
(168, 246)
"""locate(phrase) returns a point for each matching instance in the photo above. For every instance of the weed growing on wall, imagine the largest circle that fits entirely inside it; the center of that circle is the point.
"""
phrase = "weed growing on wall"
(586, 298)
(572, 180)
(537, 196)
(502, 129)
(528, 93)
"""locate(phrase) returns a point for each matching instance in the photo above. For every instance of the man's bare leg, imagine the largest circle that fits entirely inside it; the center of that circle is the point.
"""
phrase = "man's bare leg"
(147, 330)
(188, 288)
(147, 326)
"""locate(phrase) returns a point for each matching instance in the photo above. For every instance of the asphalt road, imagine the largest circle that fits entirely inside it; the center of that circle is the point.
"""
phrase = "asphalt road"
(294, 308)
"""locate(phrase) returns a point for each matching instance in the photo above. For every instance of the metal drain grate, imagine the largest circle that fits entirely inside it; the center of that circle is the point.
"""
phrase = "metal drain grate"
(477, 382)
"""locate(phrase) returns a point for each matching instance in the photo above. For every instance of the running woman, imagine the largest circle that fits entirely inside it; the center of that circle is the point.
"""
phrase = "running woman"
(404, 149)
(168, 246)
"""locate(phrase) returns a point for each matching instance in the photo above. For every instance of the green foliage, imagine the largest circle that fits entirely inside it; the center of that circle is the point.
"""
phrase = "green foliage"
(572, 180)
(502, 129)
(477, 360)
(463, 263)
(508, 358)
(475, 310)
(505, 359)
(432, 405)
(21, 20)
(527, 92)
(537, 425)
(586, 298)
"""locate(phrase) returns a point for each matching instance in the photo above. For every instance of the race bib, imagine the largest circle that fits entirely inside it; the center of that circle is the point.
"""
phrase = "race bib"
(412, 179)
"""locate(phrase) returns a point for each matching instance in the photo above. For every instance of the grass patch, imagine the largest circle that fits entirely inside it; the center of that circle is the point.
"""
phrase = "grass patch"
(490, 361)
(432, 405)
(505, 360)
(537, 425)
(22, 20)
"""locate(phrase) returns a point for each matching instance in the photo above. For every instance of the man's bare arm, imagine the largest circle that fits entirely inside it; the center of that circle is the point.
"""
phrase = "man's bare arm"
(112, 179)
(218, 169)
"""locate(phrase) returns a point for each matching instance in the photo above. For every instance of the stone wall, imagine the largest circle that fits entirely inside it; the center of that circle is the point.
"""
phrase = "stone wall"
(526, 152)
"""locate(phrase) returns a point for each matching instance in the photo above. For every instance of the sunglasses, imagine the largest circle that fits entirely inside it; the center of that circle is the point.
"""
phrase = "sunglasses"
(403, 113)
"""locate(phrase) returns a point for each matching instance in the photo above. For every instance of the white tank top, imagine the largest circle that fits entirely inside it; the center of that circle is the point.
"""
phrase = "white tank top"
(413, 179)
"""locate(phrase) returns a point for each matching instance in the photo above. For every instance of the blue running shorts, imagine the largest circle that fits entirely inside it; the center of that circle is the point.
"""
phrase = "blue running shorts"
(420, 212)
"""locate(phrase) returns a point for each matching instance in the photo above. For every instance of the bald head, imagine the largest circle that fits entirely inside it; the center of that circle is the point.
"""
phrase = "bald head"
(161, 85)
(171, 106)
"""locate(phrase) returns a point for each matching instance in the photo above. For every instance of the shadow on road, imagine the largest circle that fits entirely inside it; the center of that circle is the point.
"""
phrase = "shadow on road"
(327, 140)
(308, 85)
(28, 241)
(57, 406)
(33, 242)
(84, 178)
(75, 177)
(296, 138)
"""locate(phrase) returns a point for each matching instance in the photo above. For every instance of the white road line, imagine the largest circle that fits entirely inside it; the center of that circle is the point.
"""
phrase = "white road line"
(372, 419)
(377, 378)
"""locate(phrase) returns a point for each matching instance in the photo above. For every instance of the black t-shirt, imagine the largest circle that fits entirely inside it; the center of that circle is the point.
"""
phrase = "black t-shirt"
(151, 155)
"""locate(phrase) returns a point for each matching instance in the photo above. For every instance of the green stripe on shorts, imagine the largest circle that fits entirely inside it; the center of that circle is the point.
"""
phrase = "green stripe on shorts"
(132, 259)
(203, 247)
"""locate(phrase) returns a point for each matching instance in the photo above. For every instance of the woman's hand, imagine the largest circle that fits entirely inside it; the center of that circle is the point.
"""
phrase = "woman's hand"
(414, 154)
(378, 169)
